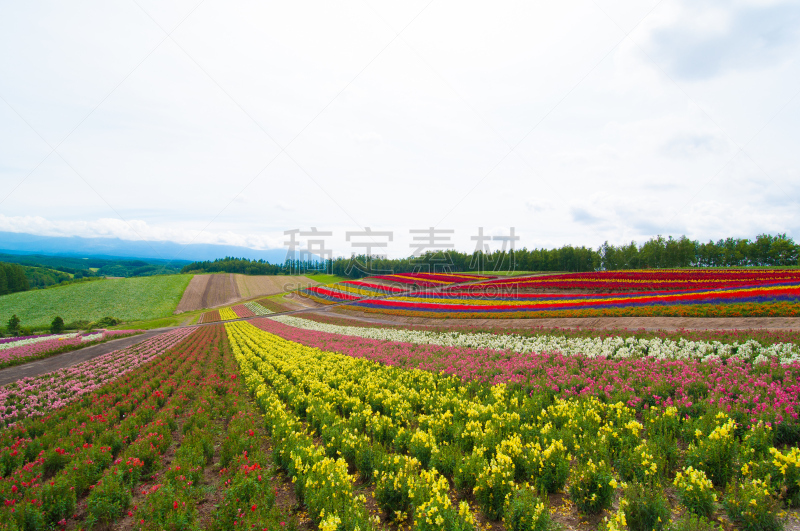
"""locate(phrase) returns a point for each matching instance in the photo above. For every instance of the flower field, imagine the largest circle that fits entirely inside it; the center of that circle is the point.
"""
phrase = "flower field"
(147, 450)
(281, 422)
(28, 349)
(248, 309)
(444, 452)
(430, 280)
(36, 396)
(726, 293)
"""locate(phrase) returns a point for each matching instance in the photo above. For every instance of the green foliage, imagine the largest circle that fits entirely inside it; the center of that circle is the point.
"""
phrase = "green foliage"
(58, 499)
(108, 499)
(433, 510)
(12, 279)
(695, 491)
(446, 459)
(42, 277)
(230, 264)
(57, 326)
(693, 522)
(466, 474)
(29, 517)
(765, 250)
(646, 508)
(751, 507)
(551, 468)
(12, 328)
(716, 454)
(168, 507)
(494, 483)
(783, 469)
(126, 299)
(524, 511)
(394, 486)
(105, 322)
(592, 488)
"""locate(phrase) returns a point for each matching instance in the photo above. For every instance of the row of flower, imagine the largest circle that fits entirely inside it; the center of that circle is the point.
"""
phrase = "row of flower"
(613, 347)
(38, 395)
(431, 279)
(766, 392)
(248, 309)
(713, 293)
(622, 280)
(94, 445)
(13, 342)
(414, 433)
(112, 442)
(647, 280)
(27, 350)
(256, 308)
(780, 299)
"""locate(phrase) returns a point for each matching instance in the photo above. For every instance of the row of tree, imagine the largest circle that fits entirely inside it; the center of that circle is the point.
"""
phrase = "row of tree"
(230, 264)
(41, 277)
(659, 252)
(765, 251)
(12, 278)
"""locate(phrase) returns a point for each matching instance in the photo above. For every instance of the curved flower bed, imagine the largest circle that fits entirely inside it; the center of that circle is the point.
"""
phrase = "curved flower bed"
(242, 310)
(648, 280)
(14, 342)
(669, 293)
(256, 308)
(39, 394)
(56, 344)
(612, 347)
(768, 391)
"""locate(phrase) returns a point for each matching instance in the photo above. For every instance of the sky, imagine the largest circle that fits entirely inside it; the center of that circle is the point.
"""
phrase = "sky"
(573, 122)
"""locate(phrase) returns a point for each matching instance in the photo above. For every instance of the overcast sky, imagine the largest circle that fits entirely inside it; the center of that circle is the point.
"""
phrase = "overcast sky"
(575, 122)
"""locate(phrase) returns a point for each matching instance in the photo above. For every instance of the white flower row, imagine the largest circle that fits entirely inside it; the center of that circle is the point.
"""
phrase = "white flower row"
(611, 347)
(32, 340)
(256, 308)
(92, 337)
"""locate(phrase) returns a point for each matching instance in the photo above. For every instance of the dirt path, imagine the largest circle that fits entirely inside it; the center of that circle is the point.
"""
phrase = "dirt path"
(67, 359)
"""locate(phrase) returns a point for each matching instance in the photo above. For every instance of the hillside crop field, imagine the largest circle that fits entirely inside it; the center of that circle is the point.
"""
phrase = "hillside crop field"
(128, 299)
(219, 289)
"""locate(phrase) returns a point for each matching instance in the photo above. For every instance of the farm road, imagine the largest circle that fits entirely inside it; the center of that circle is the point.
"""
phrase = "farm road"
(67, 359)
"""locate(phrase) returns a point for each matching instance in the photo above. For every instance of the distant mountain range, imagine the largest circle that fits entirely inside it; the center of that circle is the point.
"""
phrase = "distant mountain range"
(21, 243)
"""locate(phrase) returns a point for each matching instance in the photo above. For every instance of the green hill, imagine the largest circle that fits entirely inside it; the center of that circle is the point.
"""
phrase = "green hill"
(127, 299)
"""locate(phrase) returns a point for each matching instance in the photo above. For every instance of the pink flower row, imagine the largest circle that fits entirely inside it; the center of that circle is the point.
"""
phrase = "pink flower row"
(768, 393)
(35, 395)
(43, 347)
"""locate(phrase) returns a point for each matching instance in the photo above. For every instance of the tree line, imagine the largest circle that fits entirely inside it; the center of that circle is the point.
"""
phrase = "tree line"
(12, 278)
(230, 264)
(659, 252)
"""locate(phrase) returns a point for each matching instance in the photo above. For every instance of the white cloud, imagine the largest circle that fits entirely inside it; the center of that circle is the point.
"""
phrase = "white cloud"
(611, 135)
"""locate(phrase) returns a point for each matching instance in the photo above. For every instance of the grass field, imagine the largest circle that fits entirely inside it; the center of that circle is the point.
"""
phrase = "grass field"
(129, 299)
